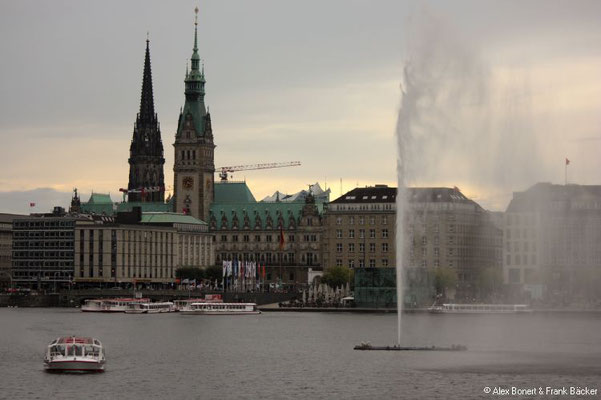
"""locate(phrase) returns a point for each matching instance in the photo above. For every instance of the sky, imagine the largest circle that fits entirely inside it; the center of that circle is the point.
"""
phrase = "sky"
(501, 92)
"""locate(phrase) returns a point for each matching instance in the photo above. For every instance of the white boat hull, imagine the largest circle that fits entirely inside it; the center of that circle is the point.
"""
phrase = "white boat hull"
(219, 312)
(75, 366)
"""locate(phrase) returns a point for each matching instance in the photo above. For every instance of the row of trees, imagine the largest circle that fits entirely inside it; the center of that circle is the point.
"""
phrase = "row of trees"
(211, 273)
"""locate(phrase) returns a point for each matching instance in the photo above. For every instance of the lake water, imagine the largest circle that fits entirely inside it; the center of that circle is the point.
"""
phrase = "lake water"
(301, 355)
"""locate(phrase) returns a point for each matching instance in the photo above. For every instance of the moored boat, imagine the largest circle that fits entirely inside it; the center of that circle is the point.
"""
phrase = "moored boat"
(479, 308)
(110, 305)
(75, 354)
(150, 308)
(209, 298)
(220, 309)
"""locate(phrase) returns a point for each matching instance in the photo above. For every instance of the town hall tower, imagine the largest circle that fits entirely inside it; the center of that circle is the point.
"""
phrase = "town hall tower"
(194, 166)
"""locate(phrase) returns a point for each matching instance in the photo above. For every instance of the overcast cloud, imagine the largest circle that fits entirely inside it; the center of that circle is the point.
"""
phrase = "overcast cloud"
(510, 88)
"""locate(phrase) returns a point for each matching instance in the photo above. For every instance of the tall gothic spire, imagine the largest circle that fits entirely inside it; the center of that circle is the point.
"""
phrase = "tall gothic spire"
(147, 99)
(146, 179)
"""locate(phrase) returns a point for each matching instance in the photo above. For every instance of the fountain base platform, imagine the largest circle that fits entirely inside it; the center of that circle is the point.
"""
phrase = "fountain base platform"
(367, 346)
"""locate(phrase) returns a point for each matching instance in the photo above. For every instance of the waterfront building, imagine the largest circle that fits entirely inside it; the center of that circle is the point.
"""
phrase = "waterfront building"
(551, 243)
(443, 229)
(194, 166)
(6, 245)
(92, 250)
(146, 180)
(283, 236)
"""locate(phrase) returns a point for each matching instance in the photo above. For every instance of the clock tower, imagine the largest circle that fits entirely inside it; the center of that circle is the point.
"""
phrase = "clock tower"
(194, 167)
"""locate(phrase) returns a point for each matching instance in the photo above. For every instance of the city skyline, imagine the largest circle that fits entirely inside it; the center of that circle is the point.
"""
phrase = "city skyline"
(327, 78)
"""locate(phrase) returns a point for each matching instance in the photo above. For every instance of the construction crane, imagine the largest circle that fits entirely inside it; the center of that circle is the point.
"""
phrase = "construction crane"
(225, 170)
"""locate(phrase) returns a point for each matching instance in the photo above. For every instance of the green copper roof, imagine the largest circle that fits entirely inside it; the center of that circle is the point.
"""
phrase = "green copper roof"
(233, 192)
(169, 218)
(100, 198)
(225, 213)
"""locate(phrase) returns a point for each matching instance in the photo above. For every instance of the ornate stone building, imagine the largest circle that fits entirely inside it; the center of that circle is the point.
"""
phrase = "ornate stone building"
(194, 166)
(146, 180)
(247, 230)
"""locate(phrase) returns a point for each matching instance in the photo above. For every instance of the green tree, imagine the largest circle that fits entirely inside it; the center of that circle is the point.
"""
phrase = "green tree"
(444, 278)
(336, 276)
(489, 282)
(213, 272)
(190, 273)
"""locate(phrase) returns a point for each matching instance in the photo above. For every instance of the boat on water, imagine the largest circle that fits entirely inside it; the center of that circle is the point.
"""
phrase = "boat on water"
(220, 309)
(368, 346)
(150, 308)
(209, 298)
(75, 354)
(479, 308)
(110, 305)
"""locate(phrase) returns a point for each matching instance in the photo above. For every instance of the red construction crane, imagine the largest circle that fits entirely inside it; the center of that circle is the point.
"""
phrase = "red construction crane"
(225, 170)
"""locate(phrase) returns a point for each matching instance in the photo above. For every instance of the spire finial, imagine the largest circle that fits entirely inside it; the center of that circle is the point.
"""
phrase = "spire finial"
(147, 36)
(195, 29)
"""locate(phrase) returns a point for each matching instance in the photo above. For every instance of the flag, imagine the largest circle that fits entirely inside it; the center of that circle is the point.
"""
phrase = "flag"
(31, 204)
(567, 161)
(282, 241)
(224, 268)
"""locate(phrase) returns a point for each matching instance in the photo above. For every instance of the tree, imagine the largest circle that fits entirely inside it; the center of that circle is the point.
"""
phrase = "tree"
(213, 272)
(444, 278)
(190, 273)
(336, 276)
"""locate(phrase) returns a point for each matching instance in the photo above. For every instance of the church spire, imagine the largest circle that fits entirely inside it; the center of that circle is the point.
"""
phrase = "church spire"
(147, 98)
(146, 149)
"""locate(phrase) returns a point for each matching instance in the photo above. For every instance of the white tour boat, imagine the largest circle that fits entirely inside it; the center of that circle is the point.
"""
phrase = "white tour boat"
(209, 298)
(75, 354)
(220, 309)
(150, 308)
(110, 305)
(479, 309)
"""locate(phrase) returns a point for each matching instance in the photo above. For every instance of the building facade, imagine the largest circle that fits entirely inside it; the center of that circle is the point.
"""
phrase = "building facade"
(247, 230)
(552, 243)
(6, 246)
(443, 229)
(194, 166)
(97, 250)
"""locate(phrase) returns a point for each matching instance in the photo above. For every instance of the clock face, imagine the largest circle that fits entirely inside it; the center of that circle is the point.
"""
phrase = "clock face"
(188, 182)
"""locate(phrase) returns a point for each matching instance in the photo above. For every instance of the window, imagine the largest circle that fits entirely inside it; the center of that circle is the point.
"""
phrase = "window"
(361, 233)
(436, 252)
(351, 233)
(338, 262)
(351, 220)
(338, 220)
(268, 238)
(234, 238)
(338, 247)
(424, 240)
(361, 220)
(361, 263)
(372, 247)
(384, 220)
(338, 233)
(372, 263)
(384, 233)
(372, 233)
(385, 262)
(246, 238)
(291, 238)
(372, 220)
(351, 247)
(257, 238)
(361, 247)
(423, 252)
(351, 263)
(384, 247)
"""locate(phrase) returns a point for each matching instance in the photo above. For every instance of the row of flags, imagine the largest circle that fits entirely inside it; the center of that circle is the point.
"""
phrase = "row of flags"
(243, 269)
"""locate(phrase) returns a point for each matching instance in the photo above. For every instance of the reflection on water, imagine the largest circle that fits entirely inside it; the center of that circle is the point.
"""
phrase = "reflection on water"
(299, 355)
